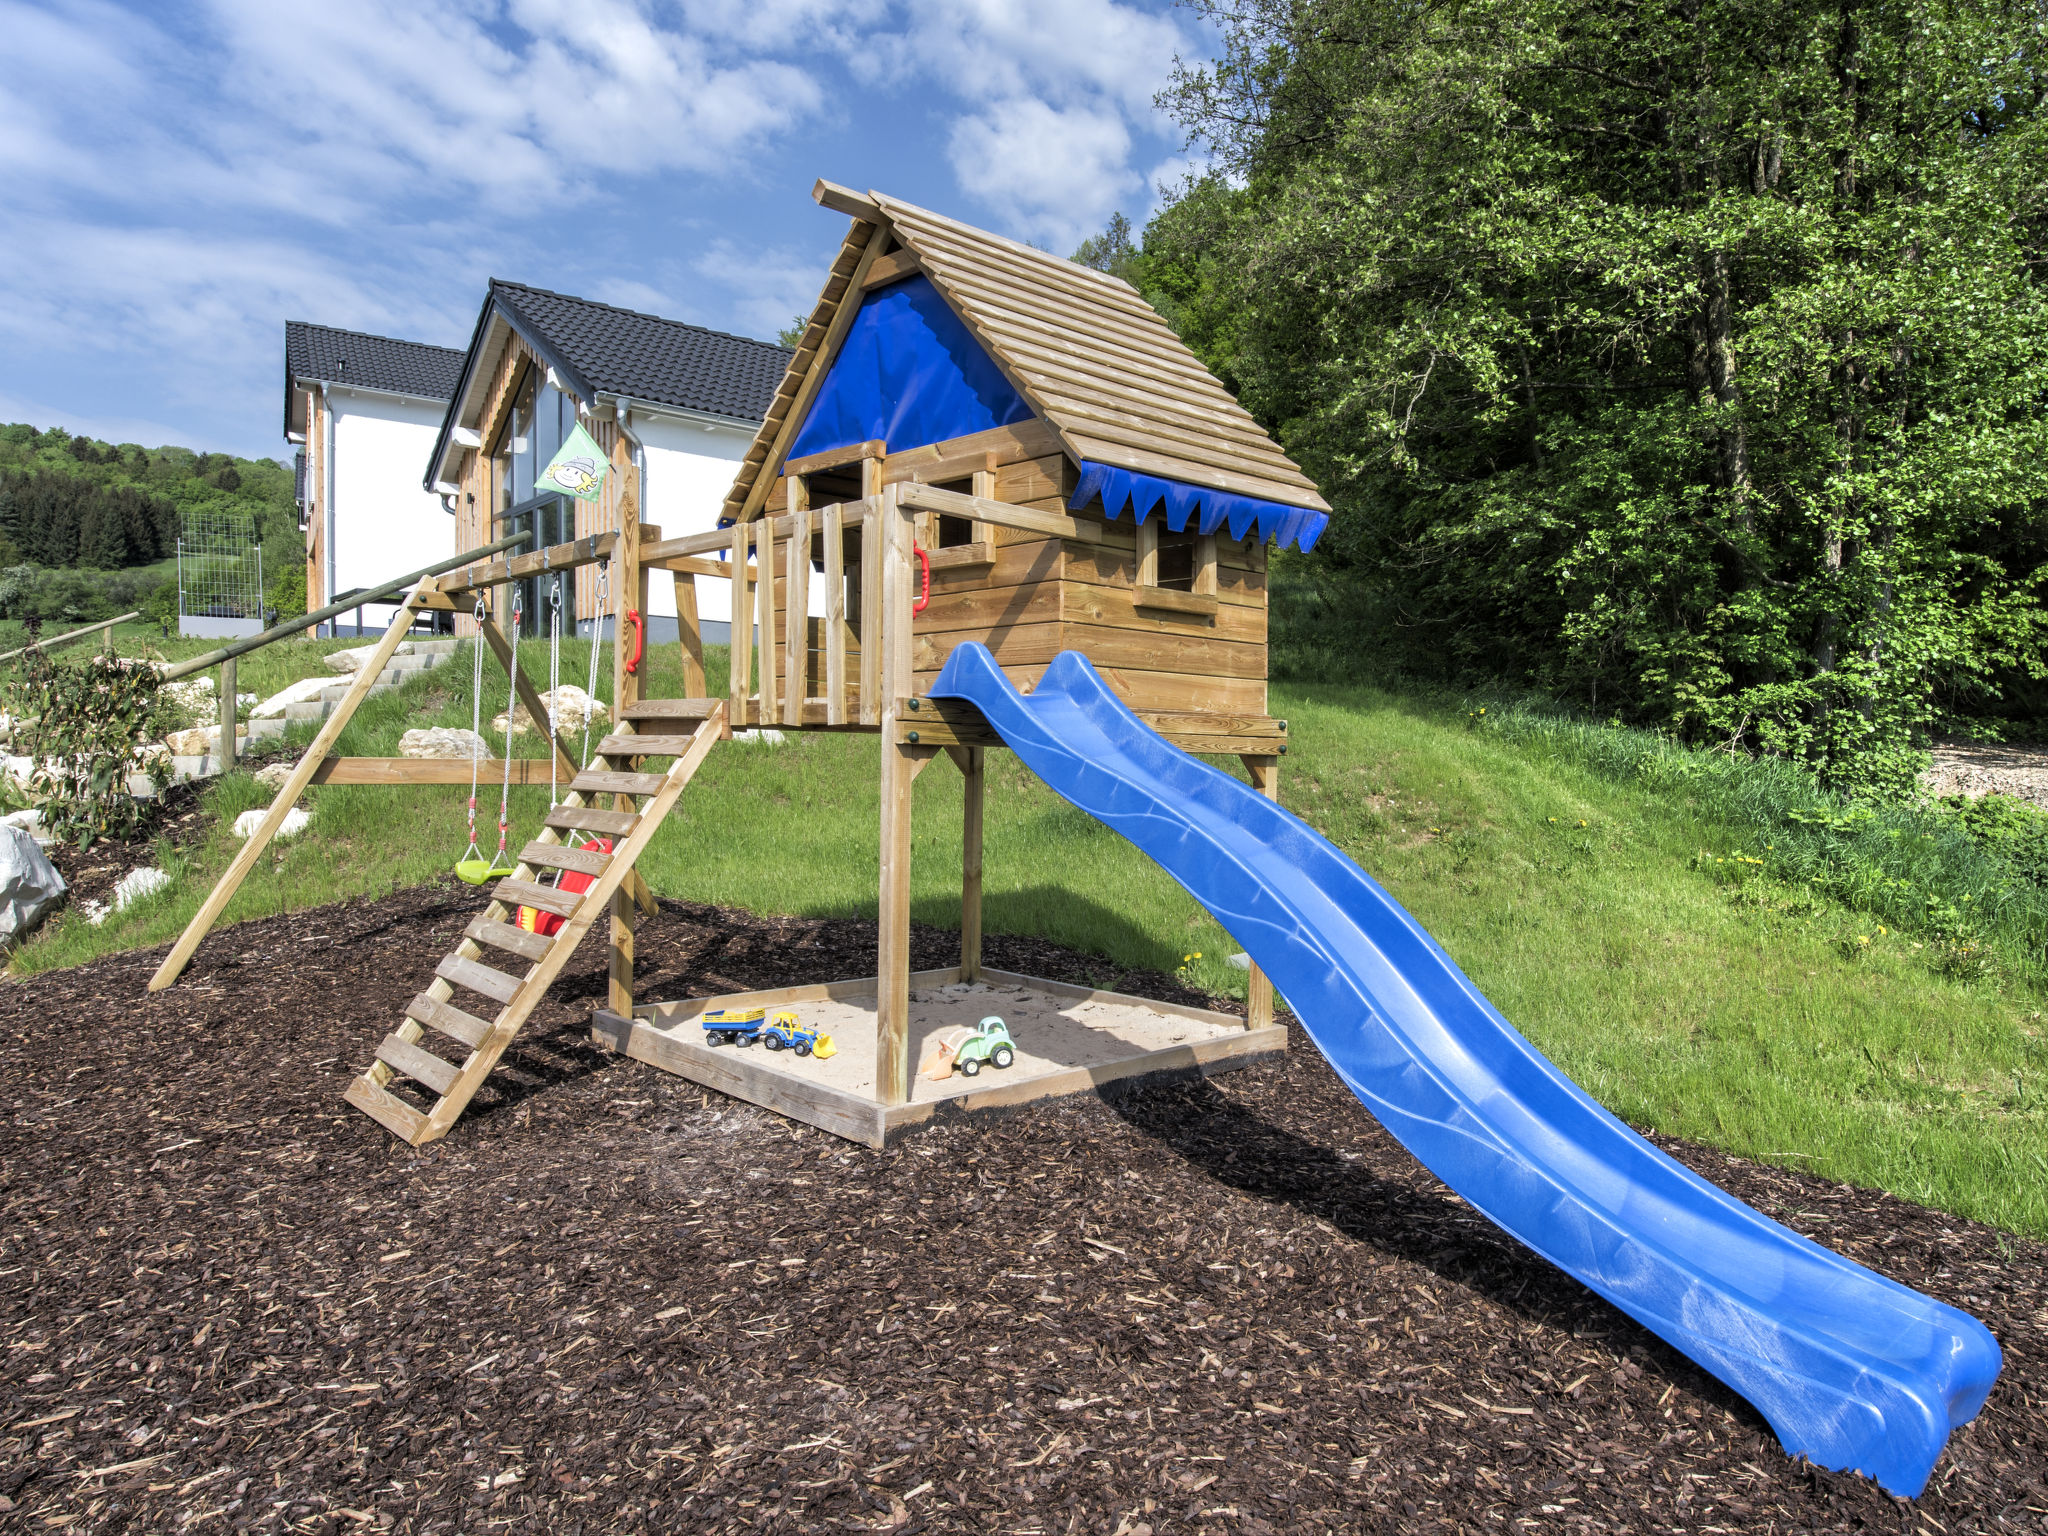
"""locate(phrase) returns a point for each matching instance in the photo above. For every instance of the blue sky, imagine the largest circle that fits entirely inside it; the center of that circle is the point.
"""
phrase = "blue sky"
(180, 179)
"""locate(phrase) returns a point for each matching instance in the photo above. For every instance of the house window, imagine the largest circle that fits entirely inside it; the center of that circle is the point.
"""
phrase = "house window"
(535, 428)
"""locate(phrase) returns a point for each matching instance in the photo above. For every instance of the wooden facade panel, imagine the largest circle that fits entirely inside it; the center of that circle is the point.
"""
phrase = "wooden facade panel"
(1037, 644)
(1092, 565)
(1118, 608)
(1139, 689)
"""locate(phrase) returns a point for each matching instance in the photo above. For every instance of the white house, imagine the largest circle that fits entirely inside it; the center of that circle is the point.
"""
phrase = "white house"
(364, 410)
(674, 406)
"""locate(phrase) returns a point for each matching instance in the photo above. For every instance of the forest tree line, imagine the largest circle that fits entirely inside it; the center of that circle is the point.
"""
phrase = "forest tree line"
(1686, 361)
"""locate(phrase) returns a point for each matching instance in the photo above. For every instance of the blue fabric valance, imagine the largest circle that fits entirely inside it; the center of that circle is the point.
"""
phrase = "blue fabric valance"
(907, 374)
(1209, 509)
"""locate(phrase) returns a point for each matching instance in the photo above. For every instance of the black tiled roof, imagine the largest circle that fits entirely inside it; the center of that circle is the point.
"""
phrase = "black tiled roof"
(370, 362)
(665, 362)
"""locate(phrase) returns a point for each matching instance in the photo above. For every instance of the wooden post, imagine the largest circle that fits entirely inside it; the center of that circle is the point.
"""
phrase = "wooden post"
(835, 616)
(691, 634)
(796, 607)
(1148, 548)
(252, 850)
(871, 603)
(974, 772)
(742, 680)
(227, 714)
(892, 989)
(1258, 996)
(632, 580)
(764, 614)
(985, 488)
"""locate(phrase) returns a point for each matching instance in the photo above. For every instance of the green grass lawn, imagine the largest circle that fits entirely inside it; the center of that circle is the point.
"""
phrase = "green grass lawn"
(1751, 1013)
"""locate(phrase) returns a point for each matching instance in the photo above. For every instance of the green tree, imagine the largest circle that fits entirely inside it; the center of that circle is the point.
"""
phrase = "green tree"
(1687, 359)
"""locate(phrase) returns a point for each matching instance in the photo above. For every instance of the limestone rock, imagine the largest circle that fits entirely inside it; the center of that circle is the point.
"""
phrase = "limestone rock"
(352, 660)
(138, 884)
(200, 740)
(305, 691)
(443, 741)
(571, 705)
(294, 823)
(272, 776)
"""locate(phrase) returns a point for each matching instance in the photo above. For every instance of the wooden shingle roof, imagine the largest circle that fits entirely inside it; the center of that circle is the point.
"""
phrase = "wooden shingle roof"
(1094, 360)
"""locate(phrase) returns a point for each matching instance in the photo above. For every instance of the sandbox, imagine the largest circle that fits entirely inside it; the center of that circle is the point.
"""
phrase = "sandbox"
(1069, 1039)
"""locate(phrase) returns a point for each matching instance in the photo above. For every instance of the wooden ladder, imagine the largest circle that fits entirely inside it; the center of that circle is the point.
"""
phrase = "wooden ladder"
(454, 1085)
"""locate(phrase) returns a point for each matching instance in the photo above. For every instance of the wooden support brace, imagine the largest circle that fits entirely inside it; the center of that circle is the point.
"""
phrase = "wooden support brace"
(1258, 998)
(835, 616)
(973, 763)
(900, 765)
(287, 797)
(796, 609)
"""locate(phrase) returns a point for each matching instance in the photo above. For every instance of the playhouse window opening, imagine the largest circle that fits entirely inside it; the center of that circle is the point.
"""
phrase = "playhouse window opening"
(828, 487)
(954, 532)
(1177, 560)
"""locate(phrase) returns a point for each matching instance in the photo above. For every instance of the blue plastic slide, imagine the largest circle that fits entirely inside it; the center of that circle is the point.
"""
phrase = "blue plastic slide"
(1851, 1369)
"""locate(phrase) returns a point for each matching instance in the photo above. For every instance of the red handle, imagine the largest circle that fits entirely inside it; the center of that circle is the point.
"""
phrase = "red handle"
(639, 639)
(924, 597)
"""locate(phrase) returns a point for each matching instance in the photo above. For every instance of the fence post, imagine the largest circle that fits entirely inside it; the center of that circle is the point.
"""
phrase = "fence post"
(227, 715)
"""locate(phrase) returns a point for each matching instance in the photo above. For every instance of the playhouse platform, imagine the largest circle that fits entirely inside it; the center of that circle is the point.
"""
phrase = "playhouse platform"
(1069, 1040)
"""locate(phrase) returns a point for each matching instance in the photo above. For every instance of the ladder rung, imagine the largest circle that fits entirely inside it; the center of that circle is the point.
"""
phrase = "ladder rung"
(585, 861)
(495, 985)
(451, 1020)
(593, 781)
(644, 746)
(587, 819)
(388, 1110)
(510, 938)
(670, 709)
(422, 1067)
(525, 893)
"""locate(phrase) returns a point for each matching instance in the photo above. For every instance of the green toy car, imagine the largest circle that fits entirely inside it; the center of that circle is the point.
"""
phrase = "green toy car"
(990, 1043)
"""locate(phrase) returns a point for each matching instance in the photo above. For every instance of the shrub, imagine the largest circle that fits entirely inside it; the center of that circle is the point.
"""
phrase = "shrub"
(80, 723)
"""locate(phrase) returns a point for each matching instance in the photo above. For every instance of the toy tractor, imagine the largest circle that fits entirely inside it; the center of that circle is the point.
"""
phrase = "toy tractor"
(785, 1033)
(967, 1049)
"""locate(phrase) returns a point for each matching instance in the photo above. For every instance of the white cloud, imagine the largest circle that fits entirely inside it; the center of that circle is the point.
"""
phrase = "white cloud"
(768, 289)
(1058, 173)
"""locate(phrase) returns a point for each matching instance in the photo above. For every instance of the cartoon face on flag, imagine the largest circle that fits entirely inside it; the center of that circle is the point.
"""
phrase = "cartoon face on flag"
(577, 470)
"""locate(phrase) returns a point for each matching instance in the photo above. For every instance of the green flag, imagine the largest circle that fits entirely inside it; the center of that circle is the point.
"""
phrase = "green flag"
(577, 470)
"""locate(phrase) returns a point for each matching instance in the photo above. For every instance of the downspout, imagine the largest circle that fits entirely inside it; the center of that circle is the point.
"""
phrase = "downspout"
(327, 470)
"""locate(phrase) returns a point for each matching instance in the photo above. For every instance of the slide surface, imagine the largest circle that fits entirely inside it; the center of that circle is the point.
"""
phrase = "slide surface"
(1852, 1370)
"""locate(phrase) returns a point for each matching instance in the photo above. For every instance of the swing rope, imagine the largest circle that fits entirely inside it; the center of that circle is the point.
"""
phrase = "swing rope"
(475, 855)
(554, 688)
(511, 711)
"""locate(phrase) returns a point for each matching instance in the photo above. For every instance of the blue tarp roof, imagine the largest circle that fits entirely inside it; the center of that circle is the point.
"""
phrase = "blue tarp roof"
(1208, 508)
(908, 375)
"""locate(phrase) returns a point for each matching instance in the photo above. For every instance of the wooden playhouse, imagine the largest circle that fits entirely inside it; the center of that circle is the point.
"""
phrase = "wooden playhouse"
(974, 440)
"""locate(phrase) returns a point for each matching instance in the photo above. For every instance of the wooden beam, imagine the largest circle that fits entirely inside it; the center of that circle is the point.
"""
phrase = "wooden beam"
(427, 770)
(559, 557)
(689, 565)
(226, 709)
(973, 769)
(1003, 514)
(796, 608)
(846, 307)
(829, 194)
(871, 592)
(690, 633)
(287, 796)
(891, 268)
(835, 458)
(740, 674)
(1258, 995)
(768, 673)
(631, 581)
(899, 769)
(835, 615)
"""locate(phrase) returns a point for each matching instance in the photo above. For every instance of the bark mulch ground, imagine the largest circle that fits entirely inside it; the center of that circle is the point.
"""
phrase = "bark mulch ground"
(611, 1301)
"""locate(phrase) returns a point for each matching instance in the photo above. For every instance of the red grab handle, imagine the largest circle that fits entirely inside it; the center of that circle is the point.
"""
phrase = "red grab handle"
(924, 597)
(639, 639)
